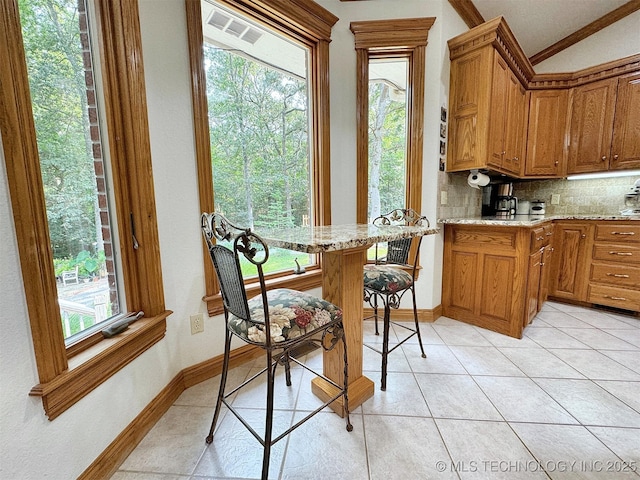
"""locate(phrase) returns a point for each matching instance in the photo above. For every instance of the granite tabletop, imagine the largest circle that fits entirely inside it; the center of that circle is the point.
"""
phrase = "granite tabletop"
(339, 237)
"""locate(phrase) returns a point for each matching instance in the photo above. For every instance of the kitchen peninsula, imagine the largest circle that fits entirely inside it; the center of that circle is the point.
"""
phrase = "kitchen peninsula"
(498, 272)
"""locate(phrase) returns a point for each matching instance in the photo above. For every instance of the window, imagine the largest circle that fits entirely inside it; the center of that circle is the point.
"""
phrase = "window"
(383, 47)
(64, 100)
(387, 135)
(64, 376)
(261, 96)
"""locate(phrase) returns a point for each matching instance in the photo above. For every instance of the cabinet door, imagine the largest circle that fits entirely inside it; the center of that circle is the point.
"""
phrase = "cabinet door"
(533, 285)
(545, 270)
(625, 149)
(496, 294)
(498, 115)
(591, 126)
(547, 129)
(468, 107)
(571, 261)
(515, 132)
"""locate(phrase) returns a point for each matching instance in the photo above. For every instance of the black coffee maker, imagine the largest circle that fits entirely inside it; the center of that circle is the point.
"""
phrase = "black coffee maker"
(498, 200)
(505, 203)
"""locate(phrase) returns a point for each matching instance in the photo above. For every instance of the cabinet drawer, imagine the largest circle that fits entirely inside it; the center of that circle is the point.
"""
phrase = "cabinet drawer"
(538, 239)
(618, 233)
(485, 238)
(614, 297)
(616, 253)
(615, 274)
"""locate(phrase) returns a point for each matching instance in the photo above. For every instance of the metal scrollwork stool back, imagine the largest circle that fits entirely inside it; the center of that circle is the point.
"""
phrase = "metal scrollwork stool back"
(390, 277)
(277, 321)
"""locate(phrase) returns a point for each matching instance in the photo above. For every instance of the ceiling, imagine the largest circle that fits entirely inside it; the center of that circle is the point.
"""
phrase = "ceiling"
(539, 24)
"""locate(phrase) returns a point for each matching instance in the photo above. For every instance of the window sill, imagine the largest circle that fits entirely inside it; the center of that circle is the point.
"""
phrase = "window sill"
(94, 366)
(304, 281)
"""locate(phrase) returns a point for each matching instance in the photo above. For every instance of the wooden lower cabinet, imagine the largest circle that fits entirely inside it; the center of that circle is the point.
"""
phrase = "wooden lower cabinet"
(490, 277)
(570, 267)
(614, 273)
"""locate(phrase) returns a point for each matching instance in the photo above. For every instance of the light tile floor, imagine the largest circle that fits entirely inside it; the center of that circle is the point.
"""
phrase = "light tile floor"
(562, 403)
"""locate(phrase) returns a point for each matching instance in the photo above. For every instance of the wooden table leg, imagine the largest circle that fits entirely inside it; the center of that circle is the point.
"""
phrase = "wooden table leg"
(342, 284)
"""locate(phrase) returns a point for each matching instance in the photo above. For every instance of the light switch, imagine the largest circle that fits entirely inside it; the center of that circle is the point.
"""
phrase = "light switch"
(555, 199)
(443, 197)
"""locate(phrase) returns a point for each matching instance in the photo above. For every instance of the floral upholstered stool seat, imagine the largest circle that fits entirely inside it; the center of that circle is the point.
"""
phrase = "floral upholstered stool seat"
(384, 278)
(293, 314)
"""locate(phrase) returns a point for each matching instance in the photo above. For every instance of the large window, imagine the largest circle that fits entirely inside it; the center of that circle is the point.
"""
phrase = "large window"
(390, 97)
(55, 169)
(260, 79)
(64, 97)
(387, 135)
(257, 98)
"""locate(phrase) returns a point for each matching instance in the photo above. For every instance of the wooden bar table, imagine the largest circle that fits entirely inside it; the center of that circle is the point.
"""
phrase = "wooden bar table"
(343, 249)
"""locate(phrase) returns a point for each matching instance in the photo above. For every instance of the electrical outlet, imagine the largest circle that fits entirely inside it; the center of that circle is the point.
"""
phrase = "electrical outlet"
(555, 199)
(443, 197)
(197, 323)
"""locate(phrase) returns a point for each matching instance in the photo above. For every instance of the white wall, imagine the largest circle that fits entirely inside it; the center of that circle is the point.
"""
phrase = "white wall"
(32, 447)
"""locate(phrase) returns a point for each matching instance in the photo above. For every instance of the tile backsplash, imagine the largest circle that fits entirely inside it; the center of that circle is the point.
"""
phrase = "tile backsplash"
(579, 197)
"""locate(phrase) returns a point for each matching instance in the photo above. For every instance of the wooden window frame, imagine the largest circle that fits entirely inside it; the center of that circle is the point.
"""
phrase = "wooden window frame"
(309, 23)
(66, 375)
(398, 38)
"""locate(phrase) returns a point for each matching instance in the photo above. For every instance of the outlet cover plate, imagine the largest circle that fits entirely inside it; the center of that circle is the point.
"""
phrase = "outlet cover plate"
(197, 323)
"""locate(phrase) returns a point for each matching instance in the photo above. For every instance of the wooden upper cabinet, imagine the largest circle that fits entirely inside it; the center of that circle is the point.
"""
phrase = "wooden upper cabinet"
(489, 72)
(515, 128)
(547, 129)
(592, 126)
(468, 110)
(486, 114)
(625, 149)
(498, 116)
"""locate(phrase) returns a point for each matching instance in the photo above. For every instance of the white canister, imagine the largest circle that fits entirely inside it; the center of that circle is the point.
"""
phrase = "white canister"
(524, 207)
(537, 207)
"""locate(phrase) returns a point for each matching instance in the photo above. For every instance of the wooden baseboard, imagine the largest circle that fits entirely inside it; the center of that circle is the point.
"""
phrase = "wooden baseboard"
(110, 459)
(406, 314)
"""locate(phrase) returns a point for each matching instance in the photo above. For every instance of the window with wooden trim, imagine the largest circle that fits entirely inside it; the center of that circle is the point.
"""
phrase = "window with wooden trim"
(65, 376)
(394, 50)
(261, 95)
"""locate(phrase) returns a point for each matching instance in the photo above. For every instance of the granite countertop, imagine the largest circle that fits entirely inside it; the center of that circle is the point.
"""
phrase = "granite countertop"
(530, 220)
(339, 237)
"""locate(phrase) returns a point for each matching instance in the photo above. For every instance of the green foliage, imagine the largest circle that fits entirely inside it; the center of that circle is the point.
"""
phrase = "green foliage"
(259, 141)
(387, 151)
(58, 93)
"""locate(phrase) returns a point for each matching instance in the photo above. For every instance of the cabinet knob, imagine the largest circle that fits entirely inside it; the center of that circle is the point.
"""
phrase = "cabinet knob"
(615, 157)
(556, 163)
(583, 236)
(516, 159)
(604, 158)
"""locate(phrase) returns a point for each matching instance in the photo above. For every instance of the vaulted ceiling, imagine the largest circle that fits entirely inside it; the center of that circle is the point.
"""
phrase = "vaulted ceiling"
(546, 27)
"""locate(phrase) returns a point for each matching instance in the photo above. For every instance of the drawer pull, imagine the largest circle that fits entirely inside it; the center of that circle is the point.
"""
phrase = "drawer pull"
(615, 298)
(539, 238)
(625, 254)
(623, 233)
(617, 275)
(549, 234)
